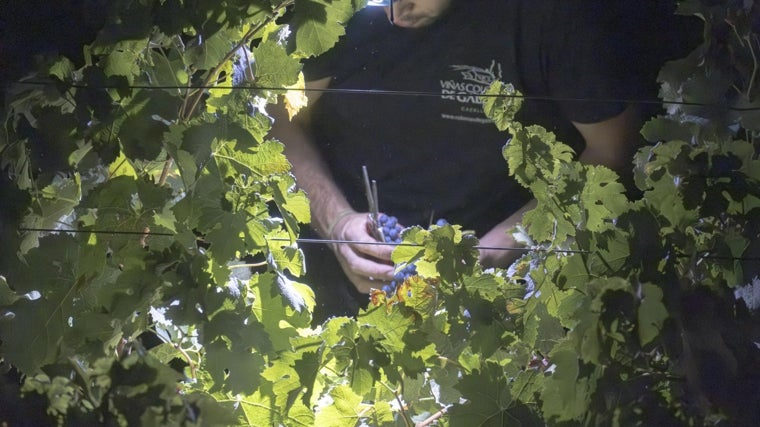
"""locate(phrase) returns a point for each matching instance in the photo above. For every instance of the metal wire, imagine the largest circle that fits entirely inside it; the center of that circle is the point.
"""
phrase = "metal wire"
(356, 242)
(383, 92)
(274, 239)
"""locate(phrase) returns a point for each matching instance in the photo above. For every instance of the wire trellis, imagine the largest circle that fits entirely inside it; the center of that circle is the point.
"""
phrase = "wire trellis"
(706, 255)
(373, 92)
(385, 92)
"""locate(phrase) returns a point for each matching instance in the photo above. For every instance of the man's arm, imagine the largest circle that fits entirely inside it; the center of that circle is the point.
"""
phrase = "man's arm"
(610, 143)
(332, 215)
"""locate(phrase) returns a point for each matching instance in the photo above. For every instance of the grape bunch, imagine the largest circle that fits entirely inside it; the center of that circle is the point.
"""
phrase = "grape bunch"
(390, 227)
(391, 231)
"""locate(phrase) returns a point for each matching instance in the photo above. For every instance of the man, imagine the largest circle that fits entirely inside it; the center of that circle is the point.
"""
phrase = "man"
(439, 155)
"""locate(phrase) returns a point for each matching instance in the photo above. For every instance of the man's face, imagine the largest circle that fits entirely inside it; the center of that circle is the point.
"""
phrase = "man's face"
(417, 13)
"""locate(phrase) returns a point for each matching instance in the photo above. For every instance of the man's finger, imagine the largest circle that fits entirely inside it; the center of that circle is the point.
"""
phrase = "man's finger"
(366, 267)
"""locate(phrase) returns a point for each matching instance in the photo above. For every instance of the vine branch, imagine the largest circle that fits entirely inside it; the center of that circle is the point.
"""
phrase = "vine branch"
(212, 75)
(433, 418)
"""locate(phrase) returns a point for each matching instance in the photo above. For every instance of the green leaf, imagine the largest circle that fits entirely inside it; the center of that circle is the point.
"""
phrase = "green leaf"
(566, 394)
(603, 198)
(165, 352)
(205, 54)
(488, 398)
(273, 67)
(31, 332)
(666, 128)
(535, 156)
(345, 411)
(7, 296)
(62, 68)
(280, 320)
(267, 159)
(146, 118)
(403, 254)
(319, 23)
(527, 386)
(261, 409)
(124, 59)
(651, 313)
(54, 203)
(285, 256)
(501, 102)
(542, 330)
(236, 370)
(292, 203)
(489, 286)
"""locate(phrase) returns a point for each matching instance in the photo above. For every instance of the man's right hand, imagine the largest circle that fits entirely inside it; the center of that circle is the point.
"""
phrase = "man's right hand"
(360, 262)
(367, 265)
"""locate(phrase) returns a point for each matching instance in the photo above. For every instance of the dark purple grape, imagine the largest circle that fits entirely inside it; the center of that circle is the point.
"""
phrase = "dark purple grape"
(392, 234)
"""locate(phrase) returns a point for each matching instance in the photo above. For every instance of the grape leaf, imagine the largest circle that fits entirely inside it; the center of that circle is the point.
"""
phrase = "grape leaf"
(31, 332)
(295, 99)
(292, 204)
(318, 25)
(603, 198)
(236, 370)
(7, 296)
(165, 352)
(489, 286)
(207, 53)
(145, 121)
(345, 411)
(273, 67)
(267, 159)
(55, 203)
(487, 398)
(566, 394)
(124, 59)
(542, 330)
(527, 386)
(279, 319)
(651, 313)
(501, 102)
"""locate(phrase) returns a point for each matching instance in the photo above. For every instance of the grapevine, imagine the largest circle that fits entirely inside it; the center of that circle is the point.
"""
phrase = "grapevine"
(151, 270)
(392, 233)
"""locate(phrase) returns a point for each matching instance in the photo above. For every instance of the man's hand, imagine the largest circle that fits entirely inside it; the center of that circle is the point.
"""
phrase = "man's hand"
(328, 205)
(498, 237)
(366, 265)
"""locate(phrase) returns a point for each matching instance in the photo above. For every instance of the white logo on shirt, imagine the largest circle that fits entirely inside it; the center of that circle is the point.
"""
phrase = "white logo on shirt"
(465, 89)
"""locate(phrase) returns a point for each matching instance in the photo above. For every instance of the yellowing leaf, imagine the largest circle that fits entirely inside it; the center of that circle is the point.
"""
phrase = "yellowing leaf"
(219, 92)
(295, 97)
(121, 166)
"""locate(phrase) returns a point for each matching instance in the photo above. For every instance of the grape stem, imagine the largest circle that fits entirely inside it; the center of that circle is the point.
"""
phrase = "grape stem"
(401, 406)
(188, 112)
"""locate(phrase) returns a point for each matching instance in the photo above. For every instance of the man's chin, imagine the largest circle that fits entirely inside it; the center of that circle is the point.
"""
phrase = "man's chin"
(413, 21)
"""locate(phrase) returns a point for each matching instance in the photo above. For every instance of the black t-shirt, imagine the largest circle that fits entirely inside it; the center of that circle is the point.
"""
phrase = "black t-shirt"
(431, 149)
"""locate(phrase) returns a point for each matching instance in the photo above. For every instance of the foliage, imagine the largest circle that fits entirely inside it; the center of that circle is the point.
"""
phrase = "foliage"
(169, 179)
(622, 311)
